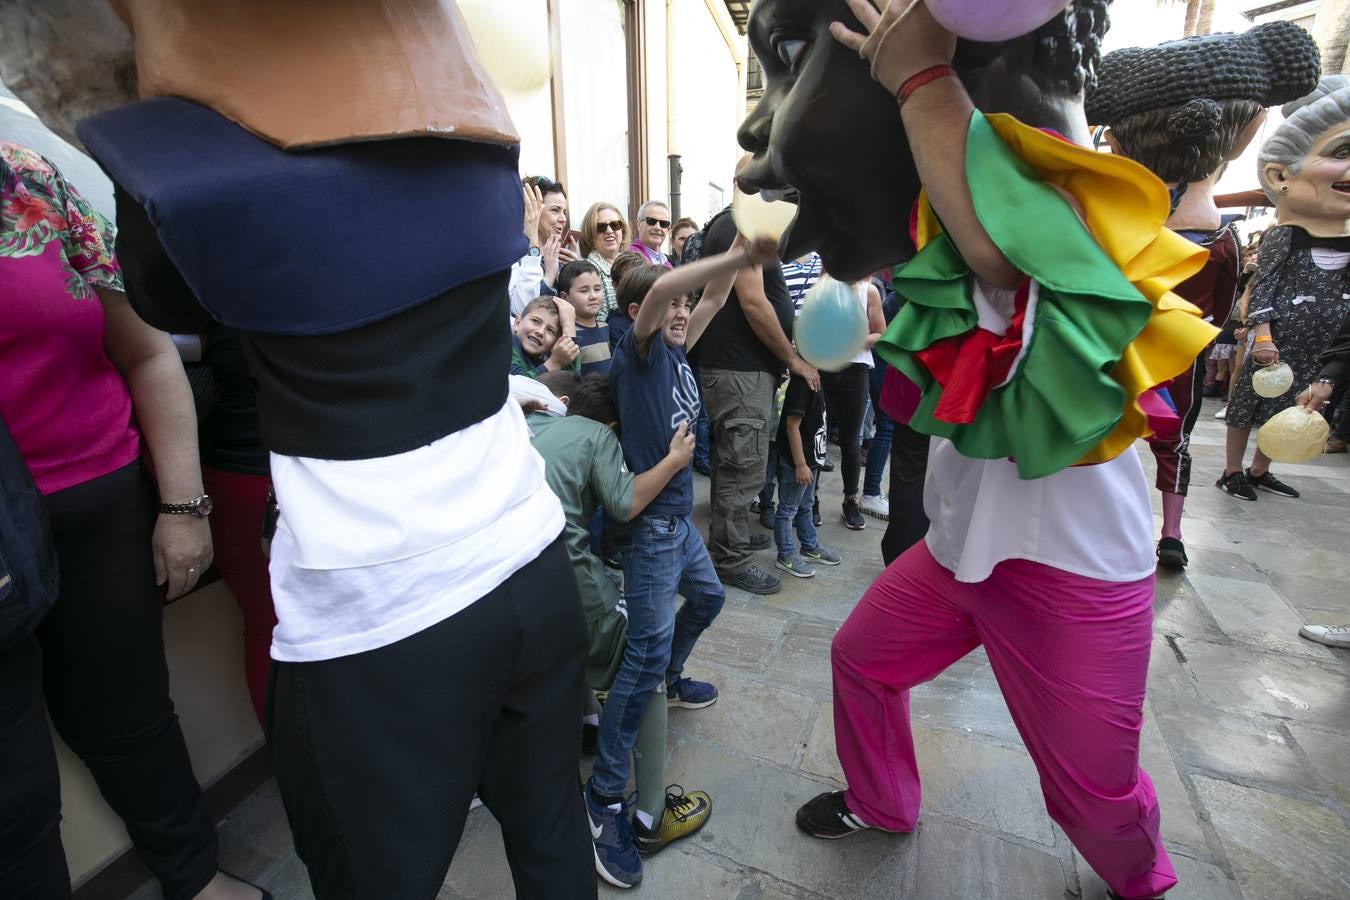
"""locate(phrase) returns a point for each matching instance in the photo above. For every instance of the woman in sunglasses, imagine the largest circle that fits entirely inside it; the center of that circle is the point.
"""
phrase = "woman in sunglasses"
(604, 234)
(653, 224)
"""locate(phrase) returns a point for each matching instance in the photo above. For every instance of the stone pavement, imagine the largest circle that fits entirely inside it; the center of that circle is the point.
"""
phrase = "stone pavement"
(1246, 735)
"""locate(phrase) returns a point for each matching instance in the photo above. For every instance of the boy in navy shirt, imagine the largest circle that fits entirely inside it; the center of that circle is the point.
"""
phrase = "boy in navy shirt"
(656, 393)
(579, 284)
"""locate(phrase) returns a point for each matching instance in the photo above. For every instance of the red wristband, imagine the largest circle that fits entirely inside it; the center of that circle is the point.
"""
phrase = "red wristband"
(920, 78)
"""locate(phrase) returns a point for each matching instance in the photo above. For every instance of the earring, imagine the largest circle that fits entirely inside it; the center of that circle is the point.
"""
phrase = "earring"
(1284, 189)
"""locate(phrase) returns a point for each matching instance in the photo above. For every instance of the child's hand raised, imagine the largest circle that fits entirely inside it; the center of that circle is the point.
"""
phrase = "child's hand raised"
(682, 445)
(567, 317)
(564, 351)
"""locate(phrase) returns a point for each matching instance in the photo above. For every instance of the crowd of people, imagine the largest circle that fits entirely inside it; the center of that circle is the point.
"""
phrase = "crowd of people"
(511, 564)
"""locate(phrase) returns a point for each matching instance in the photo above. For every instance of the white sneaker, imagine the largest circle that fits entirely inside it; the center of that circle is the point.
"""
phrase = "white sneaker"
(1331, 635)
(1222, 413)
(877, 507)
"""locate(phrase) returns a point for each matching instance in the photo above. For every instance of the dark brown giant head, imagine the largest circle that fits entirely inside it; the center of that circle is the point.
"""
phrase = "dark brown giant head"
(827, 134)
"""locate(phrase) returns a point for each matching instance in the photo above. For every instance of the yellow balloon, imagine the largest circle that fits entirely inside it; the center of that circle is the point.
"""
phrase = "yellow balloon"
(1293, 435)
(756, 217)
(512, 40)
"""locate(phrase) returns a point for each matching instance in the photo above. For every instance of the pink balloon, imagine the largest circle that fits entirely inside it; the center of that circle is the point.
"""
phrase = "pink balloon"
(981, 20)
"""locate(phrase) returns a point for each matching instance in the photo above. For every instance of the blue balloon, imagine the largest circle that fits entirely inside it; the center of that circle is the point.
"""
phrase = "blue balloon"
(831, 328)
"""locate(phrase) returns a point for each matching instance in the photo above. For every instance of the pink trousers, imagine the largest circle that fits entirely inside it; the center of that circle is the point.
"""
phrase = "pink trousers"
(1071, 657)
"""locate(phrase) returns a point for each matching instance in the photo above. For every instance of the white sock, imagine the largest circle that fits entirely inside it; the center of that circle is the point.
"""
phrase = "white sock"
(592, 719)
(645, 819)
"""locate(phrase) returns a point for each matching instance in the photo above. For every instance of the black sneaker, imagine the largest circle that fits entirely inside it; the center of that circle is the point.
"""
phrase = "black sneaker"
(766, 517)
(1236, 484)
(853, 517)
(828, 817)
(755, 580)
(759, 542)
(1269, 482)
(827, 466)
(1172, 553)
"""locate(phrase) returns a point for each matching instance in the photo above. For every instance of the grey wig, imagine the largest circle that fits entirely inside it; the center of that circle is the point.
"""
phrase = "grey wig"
(1306, 119)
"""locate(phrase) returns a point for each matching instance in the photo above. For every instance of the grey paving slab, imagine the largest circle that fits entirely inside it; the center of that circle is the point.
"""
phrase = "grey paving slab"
(1279, 847)
(1329, 753)
(1241, 680)
(1247, 748)
(763, 721)
(743, 636)
(966, 697)
(1195, 881)
(990, 866)
(753, 825)
(1180, 819)
(803, 661)
(1177, 607)
(1253, 612)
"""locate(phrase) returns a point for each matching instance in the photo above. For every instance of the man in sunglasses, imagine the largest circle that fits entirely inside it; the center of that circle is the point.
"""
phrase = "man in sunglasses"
(653, 224)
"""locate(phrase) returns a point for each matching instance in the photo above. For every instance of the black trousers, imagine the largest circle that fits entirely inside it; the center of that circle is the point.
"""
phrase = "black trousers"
(846, 404)
(378, 754)
(909, 466)
(106, 684)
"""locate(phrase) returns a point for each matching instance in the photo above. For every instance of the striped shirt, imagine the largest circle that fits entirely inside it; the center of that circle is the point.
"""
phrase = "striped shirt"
(800, 275)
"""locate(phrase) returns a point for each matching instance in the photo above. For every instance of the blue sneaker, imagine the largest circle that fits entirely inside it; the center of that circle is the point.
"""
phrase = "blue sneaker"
(687, 693)
(616, 856)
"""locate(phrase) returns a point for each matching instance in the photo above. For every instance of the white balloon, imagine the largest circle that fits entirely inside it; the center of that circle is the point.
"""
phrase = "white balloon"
(512, 40)
(1293, 435)
(756, 217)
(1273, 380)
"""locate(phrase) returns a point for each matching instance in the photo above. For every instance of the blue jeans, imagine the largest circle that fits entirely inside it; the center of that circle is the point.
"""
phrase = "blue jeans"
(667, 556)
(702, 433)
(794, 510)
(880, 448)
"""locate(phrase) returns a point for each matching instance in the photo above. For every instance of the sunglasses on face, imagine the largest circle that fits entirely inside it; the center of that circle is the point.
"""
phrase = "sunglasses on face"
(663, 223)
(602, 227)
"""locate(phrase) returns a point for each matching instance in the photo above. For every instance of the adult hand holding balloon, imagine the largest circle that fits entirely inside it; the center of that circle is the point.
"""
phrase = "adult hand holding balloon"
(831, 328)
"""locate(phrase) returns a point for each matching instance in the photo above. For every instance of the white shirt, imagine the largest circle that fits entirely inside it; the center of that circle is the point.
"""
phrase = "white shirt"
(526, 273)
(371, 551)
(865, 354)
(1093, 521)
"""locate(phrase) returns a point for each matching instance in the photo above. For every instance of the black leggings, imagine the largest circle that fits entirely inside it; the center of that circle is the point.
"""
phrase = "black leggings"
(846, 404)
(101, 652)
(378, 754)
(909, 467)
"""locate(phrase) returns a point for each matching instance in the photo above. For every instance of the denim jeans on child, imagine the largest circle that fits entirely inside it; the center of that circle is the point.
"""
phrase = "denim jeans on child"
(667, 556)
(794, 509)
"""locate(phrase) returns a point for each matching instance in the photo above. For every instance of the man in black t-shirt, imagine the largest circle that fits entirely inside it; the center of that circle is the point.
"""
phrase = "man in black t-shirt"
(741, 358)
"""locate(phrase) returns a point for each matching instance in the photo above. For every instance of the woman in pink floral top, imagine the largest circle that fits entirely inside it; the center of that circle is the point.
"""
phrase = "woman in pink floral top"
(82, 381)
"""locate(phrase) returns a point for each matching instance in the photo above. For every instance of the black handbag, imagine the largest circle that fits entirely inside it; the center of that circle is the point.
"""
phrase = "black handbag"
(28, 573)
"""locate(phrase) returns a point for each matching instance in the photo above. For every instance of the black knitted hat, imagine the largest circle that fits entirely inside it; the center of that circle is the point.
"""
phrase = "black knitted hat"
(1269, 64)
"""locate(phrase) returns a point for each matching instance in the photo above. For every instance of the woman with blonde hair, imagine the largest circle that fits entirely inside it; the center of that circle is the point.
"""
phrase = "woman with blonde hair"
(604, 234)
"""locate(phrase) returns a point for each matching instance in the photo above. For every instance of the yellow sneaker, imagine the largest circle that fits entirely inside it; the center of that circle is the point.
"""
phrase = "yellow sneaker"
(684, 814)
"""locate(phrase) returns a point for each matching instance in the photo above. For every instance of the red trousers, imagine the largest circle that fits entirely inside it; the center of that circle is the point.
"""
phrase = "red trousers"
(236, 535)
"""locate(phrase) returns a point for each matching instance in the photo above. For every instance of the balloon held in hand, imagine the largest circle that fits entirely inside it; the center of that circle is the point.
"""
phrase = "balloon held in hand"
(756, 217)
(1273, 380)
(976, 21)
(831, 328)
(1293, 435)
